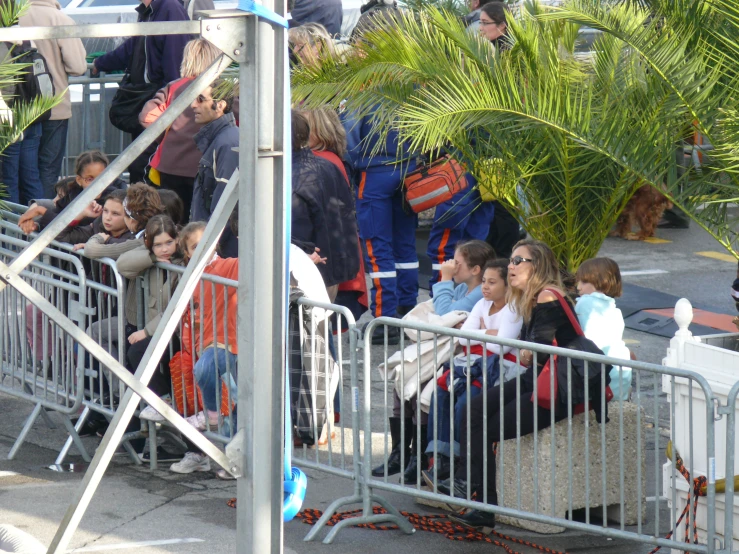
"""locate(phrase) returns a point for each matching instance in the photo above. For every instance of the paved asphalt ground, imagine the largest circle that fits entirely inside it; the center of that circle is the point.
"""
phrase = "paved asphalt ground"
(135, 510)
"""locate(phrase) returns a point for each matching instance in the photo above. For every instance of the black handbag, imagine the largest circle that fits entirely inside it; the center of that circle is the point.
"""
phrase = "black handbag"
(128, 102)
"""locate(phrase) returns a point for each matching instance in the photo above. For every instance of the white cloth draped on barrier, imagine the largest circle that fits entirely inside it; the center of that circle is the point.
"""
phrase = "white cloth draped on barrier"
(433, 353)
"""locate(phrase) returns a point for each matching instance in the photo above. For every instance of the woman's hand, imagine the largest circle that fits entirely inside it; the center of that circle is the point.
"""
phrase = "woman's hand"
(316, 257)
(103, 236)
(526, 357)
(448, 269)
(133, 338)
(492, 332)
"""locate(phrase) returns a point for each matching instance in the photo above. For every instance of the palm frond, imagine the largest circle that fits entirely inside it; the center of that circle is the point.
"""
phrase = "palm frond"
(561, 141)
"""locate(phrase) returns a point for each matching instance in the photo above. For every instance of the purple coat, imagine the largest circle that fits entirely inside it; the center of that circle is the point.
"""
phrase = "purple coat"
(163, 53)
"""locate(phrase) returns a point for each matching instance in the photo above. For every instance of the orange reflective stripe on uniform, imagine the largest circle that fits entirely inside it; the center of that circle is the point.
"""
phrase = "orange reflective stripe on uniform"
(442, 246)
(375, 269)
(362, 181)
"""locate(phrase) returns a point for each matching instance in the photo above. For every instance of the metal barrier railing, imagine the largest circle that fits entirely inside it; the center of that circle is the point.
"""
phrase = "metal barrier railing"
(551, 462)
(39, 358)
(315, 320)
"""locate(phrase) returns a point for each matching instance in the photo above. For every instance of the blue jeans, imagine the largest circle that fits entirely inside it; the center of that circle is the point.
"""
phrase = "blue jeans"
(20, 167)
(440, 412)
(51, 153)
(210, 369)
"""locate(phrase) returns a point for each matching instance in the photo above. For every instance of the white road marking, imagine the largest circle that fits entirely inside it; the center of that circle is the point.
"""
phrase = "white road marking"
(644, 272)
(132, 545)
(7, 474)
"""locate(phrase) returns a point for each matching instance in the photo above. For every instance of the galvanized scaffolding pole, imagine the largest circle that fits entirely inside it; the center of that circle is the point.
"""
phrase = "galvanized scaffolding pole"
(261, 282)
(258, 49)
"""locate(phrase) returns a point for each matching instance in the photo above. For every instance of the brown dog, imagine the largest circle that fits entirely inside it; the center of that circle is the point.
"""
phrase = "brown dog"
(645, 209)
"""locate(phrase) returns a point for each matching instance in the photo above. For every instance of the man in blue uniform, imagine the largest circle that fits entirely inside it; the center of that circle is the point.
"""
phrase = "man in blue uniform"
(386, 226)
(461, 218)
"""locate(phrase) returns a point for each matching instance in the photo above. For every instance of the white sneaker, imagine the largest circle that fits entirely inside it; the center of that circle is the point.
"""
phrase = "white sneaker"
(151, 414)
(191, 462)
(198, 420)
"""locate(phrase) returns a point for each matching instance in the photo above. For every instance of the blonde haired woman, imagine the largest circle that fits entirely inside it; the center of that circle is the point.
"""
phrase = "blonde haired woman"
(327, 136)
(174, 165)
(309, 42)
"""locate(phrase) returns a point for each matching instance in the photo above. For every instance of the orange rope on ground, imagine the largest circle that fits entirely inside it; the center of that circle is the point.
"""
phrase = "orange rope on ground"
(698, 484)
(432, 524)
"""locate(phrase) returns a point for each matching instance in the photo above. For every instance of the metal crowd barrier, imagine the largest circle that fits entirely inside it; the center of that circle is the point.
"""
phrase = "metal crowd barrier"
(40, 361)
(316, 315)
(102, 294)
(612, 473)
(342, 459)
(615, 474)
(188, 341)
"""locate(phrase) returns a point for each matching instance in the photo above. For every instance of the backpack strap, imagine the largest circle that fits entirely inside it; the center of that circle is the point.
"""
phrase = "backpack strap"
(568, 310)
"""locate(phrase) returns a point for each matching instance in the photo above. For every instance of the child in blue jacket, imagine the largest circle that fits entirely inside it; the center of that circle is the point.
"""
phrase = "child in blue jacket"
(459, 286)
(598, 283)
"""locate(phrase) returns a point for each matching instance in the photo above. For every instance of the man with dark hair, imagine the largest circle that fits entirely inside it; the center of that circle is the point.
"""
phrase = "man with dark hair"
(216, 140)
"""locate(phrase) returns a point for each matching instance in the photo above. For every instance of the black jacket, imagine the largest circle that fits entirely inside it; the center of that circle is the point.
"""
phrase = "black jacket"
(323, 215)
(216, 141)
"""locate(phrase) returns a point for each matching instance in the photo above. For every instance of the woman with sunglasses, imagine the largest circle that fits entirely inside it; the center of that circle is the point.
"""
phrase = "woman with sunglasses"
(533, 277)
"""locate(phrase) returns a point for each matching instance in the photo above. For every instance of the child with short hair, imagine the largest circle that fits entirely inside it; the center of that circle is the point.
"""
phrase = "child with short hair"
(459, 286)
(599, 283)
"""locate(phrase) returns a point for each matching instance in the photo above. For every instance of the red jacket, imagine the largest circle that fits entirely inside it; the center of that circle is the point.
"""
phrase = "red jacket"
(177, 153)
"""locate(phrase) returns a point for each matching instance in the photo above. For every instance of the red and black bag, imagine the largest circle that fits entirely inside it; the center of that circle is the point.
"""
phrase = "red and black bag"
(430, 185)
(580, 376)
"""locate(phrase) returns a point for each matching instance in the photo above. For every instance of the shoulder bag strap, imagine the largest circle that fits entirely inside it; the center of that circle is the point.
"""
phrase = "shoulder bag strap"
(566, 307)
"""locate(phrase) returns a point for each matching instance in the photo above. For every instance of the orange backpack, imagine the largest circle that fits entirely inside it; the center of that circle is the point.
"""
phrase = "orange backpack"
(432, 184)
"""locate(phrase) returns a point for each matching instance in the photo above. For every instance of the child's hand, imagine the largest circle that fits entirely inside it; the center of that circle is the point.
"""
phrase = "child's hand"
(104, 236)
(26, 222)
(136, 337)
(92, 210)
(316, 257)
(79, 246)
(448, 269)
(28, 226)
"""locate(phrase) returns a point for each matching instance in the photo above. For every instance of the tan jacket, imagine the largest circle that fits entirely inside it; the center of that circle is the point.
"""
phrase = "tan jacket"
(64, 56)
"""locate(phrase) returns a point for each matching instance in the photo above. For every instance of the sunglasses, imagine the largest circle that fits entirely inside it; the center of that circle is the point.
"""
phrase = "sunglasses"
(518, 260)
(202, 99)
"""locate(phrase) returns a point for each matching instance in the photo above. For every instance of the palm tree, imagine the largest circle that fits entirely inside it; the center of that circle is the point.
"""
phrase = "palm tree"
(562, 140)
(14, 121)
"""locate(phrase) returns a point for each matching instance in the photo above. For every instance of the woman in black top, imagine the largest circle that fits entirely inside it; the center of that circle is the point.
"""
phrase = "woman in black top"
(533, 271)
